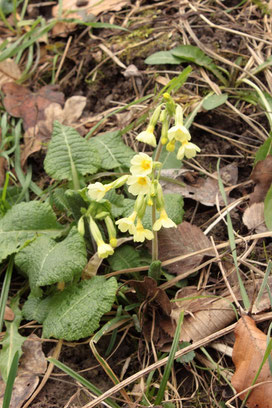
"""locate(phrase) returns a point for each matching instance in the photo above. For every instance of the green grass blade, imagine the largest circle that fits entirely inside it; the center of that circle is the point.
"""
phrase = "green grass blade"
(170, 361)
(264, 282)
(81, 380)
(5, 290)
(11, 379)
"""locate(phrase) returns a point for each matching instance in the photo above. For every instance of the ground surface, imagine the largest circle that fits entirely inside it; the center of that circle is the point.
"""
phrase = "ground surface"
(238, 39)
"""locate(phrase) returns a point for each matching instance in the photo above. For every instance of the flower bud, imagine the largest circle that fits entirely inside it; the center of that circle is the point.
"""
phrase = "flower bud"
(111, 231)
(155, 117)
(119, 182)
(81, 227)
(170, 147)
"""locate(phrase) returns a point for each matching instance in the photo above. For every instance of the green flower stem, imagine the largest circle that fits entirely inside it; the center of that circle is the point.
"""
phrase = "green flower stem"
(155, 247)
(158, 151)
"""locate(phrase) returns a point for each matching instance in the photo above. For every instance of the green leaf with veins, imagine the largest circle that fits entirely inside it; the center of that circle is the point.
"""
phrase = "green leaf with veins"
(36, 308)
(23, 222)
(124, 257)
(12, 341)
(46, 261)
(67, 152)
(75, 312)
(117, 203)
(113, 151)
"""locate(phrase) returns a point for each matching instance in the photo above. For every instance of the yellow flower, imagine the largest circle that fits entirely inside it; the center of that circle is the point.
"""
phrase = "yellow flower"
(179, 132)
(140, 233)
(97, 190)
(139, 184)
(163, 221)
(188, 150)
(141, 165)
(147, 136)
(103, 249)
(127, 223)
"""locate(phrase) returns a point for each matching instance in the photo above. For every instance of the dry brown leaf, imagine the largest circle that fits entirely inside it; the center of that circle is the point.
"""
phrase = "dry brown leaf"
(253, 218)
(84, 10)
(183, 240)
(205, 190)
(32, 364)
(20, 102)
(203, 316)
(9, 71)
(9, 314)
(248, 352)
(155, 307)
(262, 176)
(38, 136)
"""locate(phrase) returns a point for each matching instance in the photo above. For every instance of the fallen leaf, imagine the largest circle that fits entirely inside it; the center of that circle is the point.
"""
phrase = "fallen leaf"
(155, 308)
(262, 176)
(183, 240)
(9, 314)
(253, 218)
(20, 102)
(248, 352)
(39, 111)
(9, 71)
(32, 364)
(204, 190)
(84, 10)
(38, 136)
(204, 314)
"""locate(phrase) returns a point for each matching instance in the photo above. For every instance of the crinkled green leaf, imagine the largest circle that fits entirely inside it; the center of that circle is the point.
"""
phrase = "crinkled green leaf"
(76, 312)
(23, 222)
(11, 343)
(46, 261)
(68, 151)
(173, 206)
(117, 203)
(36, 308)
(113, 151)
(124, 257)
(162, 57)
(188, 357)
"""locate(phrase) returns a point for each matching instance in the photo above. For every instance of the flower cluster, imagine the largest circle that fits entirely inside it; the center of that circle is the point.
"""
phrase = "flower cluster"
(144, 184)
(143, 181)
(169, 136)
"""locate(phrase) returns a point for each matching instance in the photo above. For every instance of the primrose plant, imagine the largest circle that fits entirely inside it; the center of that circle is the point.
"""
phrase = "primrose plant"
(144, 181)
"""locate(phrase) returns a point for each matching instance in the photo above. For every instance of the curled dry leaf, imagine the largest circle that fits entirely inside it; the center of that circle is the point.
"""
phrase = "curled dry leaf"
(248, 352)
(9, 71)
(156, 308)
(84, 10)
(205, 190)
(253, 218)
(20, 102)
(39, 111)
(9, 314)
(32, 364)
(262, 176)
(183, 240)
